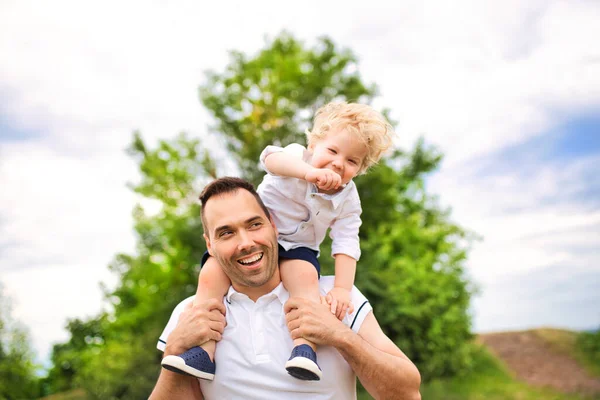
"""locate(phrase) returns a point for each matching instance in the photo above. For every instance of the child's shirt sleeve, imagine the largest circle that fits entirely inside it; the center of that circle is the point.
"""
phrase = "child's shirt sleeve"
(295, 150)
(345, 228)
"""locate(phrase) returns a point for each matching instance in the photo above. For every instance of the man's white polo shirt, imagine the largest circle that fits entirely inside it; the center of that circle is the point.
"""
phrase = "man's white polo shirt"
(256, 343)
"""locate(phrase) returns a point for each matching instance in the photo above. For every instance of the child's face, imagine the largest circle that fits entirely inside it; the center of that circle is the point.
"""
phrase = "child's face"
(340, 152)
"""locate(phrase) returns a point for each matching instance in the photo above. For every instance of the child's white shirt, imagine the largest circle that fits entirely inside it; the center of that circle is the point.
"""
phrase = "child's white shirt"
(303, 215)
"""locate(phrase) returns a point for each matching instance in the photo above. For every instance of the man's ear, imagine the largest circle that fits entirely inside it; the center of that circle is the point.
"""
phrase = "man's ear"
(273, 225)
(208, 244)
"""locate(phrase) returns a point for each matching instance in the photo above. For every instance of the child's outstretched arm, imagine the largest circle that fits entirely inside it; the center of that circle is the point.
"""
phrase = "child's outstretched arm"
(346, 251)
(339, 297)
(282, 164)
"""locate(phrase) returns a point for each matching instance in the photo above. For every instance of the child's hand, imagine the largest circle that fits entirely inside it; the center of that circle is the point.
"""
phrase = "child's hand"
(324, 178)
(339, 302)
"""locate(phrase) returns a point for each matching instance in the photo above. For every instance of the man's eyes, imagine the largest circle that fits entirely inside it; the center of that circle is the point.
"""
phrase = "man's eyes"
(256, 225)
(225, 233)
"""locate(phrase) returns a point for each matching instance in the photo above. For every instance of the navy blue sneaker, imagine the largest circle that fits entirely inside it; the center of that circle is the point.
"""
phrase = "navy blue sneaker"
(303, 364)
(194, 362)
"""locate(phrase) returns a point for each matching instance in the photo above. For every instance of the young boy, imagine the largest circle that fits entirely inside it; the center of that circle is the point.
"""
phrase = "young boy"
(308, 191)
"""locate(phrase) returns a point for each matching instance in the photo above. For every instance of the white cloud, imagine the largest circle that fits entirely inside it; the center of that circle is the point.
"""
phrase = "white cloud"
(474, 77)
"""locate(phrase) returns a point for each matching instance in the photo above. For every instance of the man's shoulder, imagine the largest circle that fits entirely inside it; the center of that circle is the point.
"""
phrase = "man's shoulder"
(326, 282)
(362, 307)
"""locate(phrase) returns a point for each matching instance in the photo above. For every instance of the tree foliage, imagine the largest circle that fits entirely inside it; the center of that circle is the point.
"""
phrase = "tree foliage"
(270, 98)
(17, 369)
(413, 254)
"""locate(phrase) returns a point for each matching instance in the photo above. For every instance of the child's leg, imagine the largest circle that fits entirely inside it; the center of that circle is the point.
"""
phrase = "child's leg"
(199, 361)
(212, 284)
(301, 279)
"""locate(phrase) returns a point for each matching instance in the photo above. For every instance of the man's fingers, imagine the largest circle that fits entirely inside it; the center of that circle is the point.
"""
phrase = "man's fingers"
(293, 302)
(214, 304)
(216, 326)
(216, 316)
(292, 315)
(293, 324)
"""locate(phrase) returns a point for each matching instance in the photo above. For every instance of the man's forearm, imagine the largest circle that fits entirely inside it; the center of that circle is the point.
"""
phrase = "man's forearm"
(174, 386)
(384, 375)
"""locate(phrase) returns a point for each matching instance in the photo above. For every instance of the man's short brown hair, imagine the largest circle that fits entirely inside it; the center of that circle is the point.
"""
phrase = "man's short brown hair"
(228, 184)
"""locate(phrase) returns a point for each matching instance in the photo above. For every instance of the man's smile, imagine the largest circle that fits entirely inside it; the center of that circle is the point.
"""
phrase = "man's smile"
(252, 260)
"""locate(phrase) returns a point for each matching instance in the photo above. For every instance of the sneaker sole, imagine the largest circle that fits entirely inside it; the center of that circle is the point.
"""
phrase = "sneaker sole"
(304, 369)
(176, 364)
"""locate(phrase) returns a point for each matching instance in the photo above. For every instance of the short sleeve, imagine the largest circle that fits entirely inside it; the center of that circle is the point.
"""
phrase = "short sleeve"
(294, 150)
(344, 229)
(361, 304)
(362, 307)
(162, 340)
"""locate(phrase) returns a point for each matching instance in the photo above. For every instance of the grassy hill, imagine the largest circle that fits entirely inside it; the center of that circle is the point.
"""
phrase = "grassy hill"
(492, 377)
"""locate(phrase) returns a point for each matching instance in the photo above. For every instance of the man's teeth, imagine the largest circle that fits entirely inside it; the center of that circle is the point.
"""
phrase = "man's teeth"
(252, 259)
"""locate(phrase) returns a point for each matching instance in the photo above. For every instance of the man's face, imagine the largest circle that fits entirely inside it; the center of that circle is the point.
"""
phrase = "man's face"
(244, 242)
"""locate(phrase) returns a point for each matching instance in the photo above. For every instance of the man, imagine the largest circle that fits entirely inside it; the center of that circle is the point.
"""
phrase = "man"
(253, 326)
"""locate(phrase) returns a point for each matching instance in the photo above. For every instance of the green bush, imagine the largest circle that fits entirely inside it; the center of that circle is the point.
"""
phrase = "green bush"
(588, 345)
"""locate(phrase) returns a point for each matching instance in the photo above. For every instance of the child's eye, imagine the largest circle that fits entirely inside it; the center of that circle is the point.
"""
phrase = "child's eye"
(353, 162)
(332, 151)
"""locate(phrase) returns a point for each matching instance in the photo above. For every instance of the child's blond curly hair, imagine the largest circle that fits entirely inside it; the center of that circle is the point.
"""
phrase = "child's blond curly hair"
(359, 119)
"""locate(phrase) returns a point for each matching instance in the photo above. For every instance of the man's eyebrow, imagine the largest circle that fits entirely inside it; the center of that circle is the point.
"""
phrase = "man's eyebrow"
(222, 228)
(246, 222)
(253, 219)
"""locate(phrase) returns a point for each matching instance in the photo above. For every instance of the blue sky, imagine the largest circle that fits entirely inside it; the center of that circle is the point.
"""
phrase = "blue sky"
(510, 92)
(562, 292)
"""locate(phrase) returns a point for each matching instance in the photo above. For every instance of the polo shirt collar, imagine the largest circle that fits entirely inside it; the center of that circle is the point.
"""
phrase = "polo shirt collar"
(279, 293)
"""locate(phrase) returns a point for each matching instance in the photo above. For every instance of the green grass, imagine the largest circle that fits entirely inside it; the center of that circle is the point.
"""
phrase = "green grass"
(566, 342)
(76, 394)
(488, 380)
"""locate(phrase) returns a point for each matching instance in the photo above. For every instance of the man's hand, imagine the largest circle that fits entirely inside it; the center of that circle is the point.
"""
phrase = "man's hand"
(313, 321)
(197, 324)
(324, 178)
(339, 302)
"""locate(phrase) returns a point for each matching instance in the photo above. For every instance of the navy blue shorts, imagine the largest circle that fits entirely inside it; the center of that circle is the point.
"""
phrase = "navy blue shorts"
(300, 253)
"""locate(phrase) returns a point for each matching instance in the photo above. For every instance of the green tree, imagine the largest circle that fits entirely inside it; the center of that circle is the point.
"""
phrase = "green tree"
(413, 255)
(412, 265)
(17, 369)
(270, 98)
(67, 358)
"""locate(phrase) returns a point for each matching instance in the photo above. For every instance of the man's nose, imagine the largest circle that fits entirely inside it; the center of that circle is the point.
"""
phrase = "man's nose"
(245, 241)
